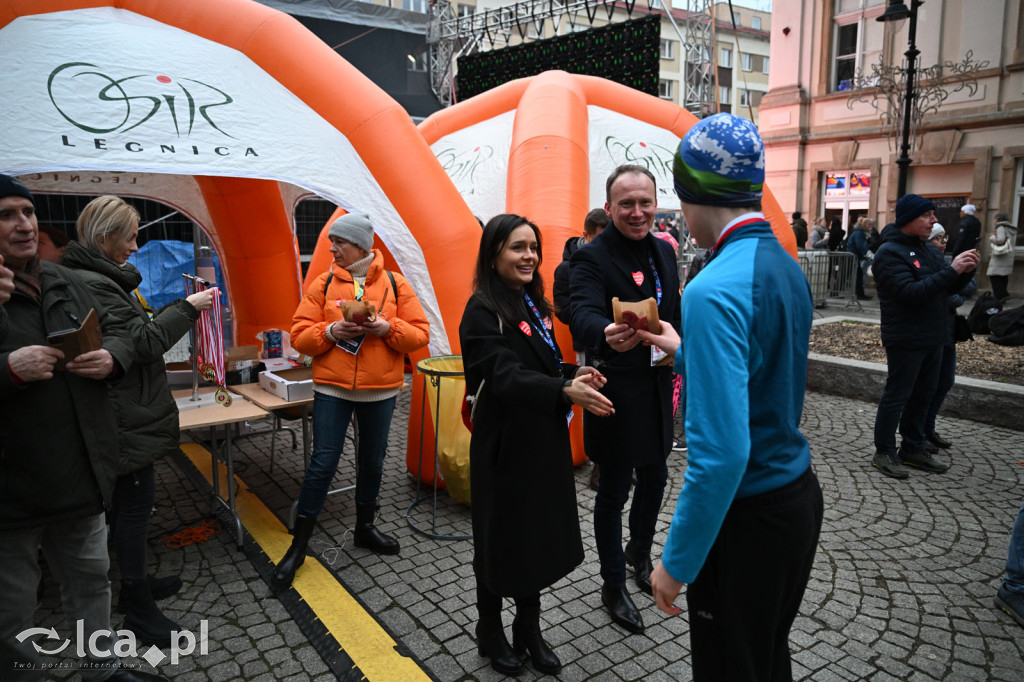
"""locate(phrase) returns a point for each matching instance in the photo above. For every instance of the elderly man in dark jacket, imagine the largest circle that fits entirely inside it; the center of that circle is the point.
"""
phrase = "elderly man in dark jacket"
(59, 460)
(627, 262)
(914, 283)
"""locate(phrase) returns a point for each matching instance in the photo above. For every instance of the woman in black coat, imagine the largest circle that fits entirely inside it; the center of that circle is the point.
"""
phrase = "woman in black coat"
(526, 531)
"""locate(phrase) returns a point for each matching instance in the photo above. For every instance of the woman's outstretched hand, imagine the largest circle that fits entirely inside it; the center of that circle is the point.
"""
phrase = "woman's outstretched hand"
(584, 391)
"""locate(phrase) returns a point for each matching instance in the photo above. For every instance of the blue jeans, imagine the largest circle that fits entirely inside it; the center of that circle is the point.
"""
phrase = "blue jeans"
(909, 388)
(331, 417)
(76, 552)
(132, 505)
(612, 493)
(1014, 580)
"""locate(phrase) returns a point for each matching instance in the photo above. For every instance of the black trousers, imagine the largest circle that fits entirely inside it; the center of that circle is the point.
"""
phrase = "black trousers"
(999, 286)
(745, 598)
(612, 492)
(910, 385)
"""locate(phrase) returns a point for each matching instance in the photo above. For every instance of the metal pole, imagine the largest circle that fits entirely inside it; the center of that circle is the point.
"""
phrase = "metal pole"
(904, 160)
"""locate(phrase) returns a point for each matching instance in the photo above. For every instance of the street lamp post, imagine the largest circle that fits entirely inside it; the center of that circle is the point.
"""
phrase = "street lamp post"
(897, 11)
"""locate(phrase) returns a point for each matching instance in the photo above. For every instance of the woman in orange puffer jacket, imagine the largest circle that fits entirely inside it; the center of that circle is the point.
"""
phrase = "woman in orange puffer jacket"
(358, 367)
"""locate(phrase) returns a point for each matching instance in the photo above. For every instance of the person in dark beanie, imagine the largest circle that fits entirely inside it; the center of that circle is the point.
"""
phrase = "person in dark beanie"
(746, 525)
(58, 435)
(914, 283)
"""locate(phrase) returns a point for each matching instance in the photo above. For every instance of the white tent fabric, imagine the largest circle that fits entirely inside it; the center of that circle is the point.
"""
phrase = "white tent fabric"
(110, 90)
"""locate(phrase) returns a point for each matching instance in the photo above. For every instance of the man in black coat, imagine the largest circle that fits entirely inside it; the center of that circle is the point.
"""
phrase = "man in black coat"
(799, 226)
(629, 263)
(913, 282)
(59, 437)
(969, 232)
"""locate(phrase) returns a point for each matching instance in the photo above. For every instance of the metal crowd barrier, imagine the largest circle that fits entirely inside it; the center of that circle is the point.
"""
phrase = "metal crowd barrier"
(832, 275)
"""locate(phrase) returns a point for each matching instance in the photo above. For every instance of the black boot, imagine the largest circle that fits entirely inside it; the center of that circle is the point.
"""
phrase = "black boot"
(162, 588)
(143, 615)
(159, 588)
(367, 536)
(492, 644)
(284, 573)
(526, 639)
(642, 567)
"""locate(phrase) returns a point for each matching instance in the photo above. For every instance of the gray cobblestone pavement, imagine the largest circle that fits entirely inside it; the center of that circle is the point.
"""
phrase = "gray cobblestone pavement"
(901, 589)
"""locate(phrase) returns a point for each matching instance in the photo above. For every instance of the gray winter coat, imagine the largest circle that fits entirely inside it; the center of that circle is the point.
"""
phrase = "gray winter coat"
(147, 417)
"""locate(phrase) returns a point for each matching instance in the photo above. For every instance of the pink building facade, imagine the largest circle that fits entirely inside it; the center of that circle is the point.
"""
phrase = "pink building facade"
(828, 155)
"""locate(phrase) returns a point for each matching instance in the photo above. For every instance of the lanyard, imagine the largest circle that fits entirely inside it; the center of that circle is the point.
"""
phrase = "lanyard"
(542, 329)
(357, 288)
(657, 280)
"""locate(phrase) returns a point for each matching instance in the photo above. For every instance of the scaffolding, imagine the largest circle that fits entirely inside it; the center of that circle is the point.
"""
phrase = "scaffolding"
(450, 37)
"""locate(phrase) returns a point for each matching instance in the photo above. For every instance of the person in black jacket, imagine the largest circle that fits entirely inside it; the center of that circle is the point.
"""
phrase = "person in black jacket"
(526, 530)
(593, 225)
(59, 463)
(799, 226)
(914, 283)
(628, 262)
(969, 233)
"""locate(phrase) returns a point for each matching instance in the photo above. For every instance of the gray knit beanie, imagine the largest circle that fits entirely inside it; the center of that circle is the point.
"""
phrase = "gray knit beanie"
(355, 228)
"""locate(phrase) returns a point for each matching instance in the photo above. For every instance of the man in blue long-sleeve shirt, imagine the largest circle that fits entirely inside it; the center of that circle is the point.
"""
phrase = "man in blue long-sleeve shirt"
(746, 525)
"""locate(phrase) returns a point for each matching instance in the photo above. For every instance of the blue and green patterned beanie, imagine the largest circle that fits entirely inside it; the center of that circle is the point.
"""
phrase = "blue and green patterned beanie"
(720, 162)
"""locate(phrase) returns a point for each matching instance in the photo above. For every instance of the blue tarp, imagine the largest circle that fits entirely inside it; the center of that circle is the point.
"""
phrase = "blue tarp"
(161, 262)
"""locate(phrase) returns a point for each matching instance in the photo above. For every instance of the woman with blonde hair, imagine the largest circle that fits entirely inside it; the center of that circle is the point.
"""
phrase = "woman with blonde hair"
(147, 415)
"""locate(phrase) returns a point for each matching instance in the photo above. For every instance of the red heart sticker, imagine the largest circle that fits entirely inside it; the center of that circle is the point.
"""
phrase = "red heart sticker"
(917, 264)
(525, 328)
(638, 277)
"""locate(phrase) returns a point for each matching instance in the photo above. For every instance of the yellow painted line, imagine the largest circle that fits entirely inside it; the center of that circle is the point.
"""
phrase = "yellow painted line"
(371, 648)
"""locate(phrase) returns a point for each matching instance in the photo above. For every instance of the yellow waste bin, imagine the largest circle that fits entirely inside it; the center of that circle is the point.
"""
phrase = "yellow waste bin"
(445, 387)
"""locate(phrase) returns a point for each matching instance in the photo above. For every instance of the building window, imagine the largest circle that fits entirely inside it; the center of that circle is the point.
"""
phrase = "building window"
(745, 98)
(856, 42)
(747, 61)
(415, 6)
(755, 23)
(418, 62)
(736, 19)
(665, 89)
(668, 49)
(724, 94)
(725, 58)
(466, 10)
(764, 65)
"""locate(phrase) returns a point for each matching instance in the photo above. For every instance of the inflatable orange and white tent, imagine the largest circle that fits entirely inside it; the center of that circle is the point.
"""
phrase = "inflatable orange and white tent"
(240, 99)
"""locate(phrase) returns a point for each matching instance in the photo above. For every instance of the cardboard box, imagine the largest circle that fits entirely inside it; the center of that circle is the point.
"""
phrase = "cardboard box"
(240, 357)
(289, 384)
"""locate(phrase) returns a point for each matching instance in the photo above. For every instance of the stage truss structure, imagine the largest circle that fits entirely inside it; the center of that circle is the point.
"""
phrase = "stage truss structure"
(450, 36)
